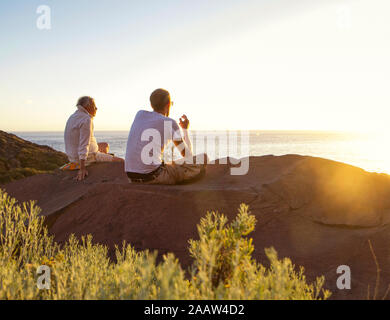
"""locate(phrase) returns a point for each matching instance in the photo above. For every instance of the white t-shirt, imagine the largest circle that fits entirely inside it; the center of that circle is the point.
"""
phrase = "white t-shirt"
(149, 135)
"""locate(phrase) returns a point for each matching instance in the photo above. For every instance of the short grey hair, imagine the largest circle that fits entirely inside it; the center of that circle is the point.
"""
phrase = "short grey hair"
(84, 101)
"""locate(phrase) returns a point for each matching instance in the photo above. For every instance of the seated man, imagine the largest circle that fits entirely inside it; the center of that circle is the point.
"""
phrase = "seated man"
(143, 162)
(80, 143)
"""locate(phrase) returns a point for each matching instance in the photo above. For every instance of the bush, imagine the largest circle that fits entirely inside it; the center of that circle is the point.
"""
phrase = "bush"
(223, 266)
(9, 175)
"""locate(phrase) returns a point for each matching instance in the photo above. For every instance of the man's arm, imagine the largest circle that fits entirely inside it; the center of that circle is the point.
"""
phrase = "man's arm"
(184, 145)
(82, 172)
(187, 140)
(183, 148)
(84, 141)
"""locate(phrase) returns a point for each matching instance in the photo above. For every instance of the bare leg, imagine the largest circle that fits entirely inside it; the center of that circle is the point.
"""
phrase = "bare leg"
(104, 147)
(201, 159)
(116, 159)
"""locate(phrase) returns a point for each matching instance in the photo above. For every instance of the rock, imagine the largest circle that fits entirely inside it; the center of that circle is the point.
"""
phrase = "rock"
(20, 158)
(318, 212)
(336, 194)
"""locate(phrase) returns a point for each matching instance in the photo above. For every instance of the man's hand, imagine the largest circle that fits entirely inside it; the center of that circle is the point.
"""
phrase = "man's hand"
(184, 122)
(82, 172)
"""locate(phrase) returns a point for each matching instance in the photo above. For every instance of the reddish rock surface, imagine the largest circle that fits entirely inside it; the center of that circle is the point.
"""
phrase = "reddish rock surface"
(318, 212)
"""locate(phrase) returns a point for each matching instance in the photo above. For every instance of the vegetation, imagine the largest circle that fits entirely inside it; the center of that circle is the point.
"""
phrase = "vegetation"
(20, 158)
(223, 267)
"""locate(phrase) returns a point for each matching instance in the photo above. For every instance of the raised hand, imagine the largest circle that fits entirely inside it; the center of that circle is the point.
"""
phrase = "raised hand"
(184, 122)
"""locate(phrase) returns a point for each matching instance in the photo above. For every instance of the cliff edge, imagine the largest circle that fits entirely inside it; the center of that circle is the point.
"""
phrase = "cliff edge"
(20, 158)
(318, 212)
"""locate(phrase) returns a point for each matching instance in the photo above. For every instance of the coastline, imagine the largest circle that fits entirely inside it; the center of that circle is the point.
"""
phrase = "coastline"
(363, 150)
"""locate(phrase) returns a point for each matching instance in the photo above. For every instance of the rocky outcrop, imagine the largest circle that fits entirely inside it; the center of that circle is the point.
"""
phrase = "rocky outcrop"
(20, 158)
(318, 212)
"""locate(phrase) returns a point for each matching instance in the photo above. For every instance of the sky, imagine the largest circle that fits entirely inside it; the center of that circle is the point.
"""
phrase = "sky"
(260, 65)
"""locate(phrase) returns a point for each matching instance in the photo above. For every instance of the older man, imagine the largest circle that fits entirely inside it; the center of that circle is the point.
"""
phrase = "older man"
(81, 146)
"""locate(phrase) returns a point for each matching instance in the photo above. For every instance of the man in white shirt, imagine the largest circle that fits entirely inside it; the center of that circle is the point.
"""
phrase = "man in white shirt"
(150, 133)
(81, 146)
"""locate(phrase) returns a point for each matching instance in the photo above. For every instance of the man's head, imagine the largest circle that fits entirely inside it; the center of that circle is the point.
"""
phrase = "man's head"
(160, 100)
(88, 104)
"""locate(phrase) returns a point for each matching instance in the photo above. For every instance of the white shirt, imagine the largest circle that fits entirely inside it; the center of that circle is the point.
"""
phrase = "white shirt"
(79, 137)
(149, 135)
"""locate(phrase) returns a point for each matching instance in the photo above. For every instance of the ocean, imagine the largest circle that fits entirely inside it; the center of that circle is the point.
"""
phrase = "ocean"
(368, 151)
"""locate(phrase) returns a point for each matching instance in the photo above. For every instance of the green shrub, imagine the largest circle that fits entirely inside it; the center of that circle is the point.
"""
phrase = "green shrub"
(13, 174)
(223, 266)
(23, 237)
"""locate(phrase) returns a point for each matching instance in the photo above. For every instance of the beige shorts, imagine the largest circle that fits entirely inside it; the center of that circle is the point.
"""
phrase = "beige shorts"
(99, 157)
(174, 173)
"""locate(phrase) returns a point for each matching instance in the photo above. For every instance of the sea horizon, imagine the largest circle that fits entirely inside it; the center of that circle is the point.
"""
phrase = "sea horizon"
(364, 150)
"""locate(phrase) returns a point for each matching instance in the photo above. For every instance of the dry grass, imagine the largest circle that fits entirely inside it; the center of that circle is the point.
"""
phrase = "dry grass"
(223, 266)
